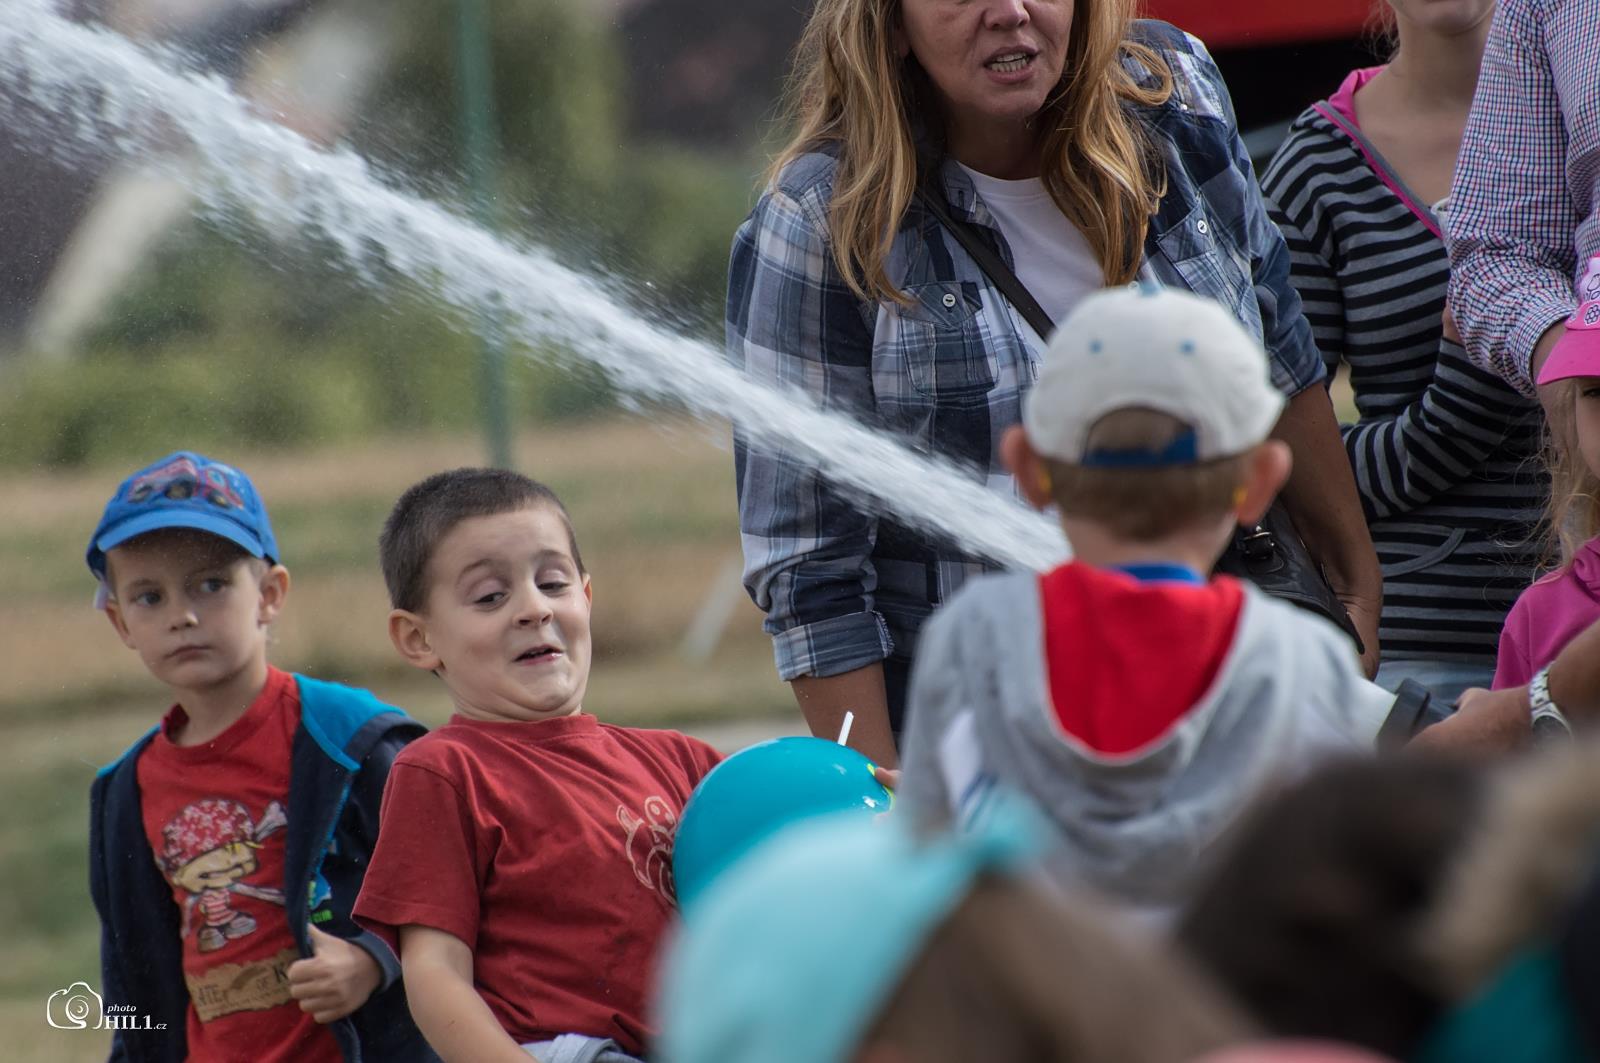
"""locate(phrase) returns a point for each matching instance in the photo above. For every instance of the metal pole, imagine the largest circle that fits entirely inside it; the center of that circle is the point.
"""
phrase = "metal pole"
(475, 75)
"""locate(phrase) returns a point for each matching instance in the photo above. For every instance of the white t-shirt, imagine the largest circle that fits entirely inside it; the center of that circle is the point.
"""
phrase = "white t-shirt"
(1051, 257)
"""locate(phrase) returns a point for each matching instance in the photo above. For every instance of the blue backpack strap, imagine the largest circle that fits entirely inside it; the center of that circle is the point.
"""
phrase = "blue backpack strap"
(333, 713)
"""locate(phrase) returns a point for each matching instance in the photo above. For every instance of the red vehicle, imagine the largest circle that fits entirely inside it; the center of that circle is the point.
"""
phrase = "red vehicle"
(1277, 55)
(1262, 23)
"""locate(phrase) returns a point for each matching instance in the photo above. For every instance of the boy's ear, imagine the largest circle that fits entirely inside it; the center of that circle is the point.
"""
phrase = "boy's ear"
(274, 591)
(114, 614)
(1024, 463)
(1266, 471)
(409, 633)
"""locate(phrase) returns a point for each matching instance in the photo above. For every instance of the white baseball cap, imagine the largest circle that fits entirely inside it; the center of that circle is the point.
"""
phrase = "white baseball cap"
(1153, 348)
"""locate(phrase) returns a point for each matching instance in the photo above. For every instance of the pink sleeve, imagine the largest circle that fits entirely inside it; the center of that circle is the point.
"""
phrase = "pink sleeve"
(1512, 667)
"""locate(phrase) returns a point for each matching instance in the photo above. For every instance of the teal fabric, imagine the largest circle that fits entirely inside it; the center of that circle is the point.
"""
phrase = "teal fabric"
(788, 956)
(332, 713)
(1524, 1016)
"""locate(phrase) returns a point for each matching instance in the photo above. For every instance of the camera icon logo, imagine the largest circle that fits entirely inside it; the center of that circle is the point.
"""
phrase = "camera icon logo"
(76, 1007)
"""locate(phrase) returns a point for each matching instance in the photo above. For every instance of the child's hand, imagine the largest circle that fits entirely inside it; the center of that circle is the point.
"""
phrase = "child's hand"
(336, 980)
(888, 778)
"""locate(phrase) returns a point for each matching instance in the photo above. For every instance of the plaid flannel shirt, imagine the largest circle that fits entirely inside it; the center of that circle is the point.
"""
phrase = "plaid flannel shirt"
(1523, 205)
(843, 587)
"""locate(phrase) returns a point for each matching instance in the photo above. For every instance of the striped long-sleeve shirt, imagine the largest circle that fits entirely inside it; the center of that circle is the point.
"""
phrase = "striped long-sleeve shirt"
(1445, 453)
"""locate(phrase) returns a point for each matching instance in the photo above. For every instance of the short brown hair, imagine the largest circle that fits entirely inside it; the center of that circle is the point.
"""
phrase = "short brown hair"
(1143, 504)
(231, 550)
(428, 510)
(1315, 916)
(1016, 973)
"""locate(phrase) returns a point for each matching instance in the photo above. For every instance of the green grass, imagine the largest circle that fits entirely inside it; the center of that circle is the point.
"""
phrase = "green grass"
(47, 887)
(52, 938)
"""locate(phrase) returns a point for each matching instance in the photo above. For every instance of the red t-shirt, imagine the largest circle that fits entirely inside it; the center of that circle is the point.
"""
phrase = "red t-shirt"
(215, 816)
(547, 848)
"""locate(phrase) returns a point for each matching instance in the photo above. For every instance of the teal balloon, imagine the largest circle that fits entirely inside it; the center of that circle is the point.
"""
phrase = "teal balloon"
(760, 790)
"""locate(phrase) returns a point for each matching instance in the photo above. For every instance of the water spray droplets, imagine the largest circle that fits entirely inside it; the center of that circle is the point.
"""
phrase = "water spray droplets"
(67, 87)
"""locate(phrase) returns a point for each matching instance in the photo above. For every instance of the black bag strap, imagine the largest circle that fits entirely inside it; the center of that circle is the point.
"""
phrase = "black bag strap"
(989, 261)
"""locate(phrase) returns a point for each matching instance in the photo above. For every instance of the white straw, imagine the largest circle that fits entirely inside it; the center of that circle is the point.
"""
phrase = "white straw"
(844, 732)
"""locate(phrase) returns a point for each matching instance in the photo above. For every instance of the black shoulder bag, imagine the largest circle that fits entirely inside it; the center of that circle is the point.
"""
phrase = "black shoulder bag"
(1270, 554)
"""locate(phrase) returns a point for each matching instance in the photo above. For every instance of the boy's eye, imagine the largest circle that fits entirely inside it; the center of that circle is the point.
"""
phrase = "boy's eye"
(147, 598)
(554, 586)
(492, 598)
(213, 584)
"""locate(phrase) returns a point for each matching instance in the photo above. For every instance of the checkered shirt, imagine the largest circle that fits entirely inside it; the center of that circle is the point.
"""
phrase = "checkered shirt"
(1523, 208)
(844, 587)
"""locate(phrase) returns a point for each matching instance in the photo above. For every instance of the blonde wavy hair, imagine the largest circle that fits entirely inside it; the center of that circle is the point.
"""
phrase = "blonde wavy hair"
(849, 89)
(1572, 516)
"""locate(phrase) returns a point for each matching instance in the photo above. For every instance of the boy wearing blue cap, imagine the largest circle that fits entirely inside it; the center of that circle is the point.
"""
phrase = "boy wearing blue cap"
(228, 845)
(1139, 701)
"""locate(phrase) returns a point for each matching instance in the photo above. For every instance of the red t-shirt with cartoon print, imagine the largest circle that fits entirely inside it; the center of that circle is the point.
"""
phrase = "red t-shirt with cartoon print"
(214, 815)
(547, 848)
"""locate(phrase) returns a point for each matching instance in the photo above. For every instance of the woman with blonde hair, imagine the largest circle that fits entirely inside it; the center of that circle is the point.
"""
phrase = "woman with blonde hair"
(961, 172)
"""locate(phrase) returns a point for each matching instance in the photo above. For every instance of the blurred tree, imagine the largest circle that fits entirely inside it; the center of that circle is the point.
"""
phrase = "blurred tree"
(708, 72)
(558, 91)
(571, 176)
(285, 331)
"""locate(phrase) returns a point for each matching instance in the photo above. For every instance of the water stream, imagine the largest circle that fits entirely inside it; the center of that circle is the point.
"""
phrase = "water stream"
(68, 89)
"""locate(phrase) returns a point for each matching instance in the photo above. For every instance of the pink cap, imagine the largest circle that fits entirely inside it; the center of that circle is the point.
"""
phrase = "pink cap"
(1577, 352)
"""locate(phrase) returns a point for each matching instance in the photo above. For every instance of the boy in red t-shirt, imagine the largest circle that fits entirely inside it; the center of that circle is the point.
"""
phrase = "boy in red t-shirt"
(524, 860)
(227, 846)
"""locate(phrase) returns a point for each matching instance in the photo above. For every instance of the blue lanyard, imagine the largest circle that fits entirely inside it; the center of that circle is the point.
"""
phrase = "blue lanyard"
(1158, 572)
